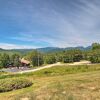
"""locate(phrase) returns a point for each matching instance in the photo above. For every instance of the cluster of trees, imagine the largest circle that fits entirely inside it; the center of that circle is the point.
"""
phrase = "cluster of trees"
(71, 56)
(96, 46)
(95, 53)
(67, 56)
(37, 59)
(9, 60)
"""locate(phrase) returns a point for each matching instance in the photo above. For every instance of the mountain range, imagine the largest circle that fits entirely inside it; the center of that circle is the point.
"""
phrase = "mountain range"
(45, 50)
(54, 49)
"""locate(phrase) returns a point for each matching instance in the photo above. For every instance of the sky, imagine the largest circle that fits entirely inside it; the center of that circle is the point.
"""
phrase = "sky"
(49, 23)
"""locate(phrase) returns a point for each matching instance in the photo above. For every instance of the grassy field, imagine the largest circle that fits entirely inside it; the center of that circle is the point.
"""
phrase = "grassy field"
(58, 83)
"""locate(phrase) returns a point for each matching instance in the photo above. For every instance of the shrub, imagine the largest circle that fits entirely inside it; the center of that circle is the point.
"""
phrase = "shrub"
(13, 84)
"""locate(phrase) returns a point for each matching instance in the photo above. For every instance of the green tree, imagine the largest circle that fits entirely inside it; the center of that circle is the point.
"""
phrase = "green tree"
(71, 56)
(15, 60)
(35, 57)
(67, 58)
(1, 61)
(50, 59)
(95, 46)
(4, 60)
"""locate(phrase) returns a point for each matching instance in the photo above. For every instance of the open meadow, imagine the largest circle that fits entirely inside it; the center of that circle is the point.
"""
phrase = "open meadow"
(79, 82)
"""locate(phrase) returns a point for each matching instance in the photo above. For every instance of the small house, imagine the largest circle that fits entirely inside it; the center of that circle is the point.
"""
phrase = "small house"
(25, 62)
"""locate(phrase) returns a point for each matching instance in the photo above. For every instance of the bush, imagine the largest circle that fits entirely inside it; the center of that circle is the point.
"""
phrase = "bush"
(13, 84)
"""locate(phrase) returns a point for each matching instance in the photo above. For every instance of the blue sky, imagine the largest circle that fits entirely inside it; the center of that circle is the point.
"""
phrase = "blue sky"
(49, 23)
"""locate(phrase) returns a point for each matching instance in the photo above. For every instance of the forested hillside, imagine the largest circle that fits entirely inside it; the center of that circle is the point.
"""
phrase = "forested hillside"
(37, 57)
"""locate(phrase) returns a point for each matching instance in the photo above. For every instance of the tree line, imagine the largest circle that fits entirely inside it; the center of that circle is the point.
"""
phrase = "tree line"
(37, 58)
(7, 60)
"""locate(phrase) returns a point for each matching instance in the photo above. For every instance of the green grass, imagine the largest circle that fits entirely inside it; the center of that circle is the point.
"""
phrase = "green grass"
(55, 71)
(59, 83)
(3, 73)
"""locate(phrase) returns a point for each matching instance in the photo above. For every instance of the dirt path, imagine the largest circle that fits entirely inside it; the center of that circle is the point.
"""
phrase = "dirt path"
(33, 70)
(56, 64)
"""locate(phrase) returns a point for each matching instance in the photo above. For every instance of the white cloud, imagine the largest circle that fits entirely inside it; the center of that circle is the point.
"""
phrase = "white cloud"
(14, 46)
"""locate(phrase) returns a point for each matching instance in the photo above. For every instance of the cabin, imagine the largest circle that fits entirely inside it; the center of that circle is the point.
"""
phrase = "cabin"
(25, 63)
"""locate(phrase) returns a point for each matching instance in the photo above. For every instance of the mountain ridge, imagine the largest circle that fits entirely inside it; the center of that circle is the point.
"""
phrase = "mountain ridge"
(46, 49)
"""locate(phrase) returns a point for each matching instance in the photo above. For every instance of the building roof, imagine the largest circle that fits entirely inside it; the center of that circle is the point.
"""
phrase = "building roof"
(25, 61)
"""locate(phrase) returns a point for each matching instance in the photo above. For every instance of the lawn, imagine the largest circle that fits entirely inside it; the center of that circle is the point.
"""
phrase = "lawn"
(58, 83)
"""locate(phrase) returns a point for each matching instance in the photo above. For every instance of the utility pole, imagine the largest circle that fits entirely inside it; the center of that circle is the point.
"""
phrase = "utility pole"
(38, 60)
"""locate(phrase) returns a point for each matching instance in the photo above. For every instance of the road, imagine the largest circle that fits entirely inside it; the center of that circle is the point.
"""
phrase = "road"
(56, 64)
(34, 70)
